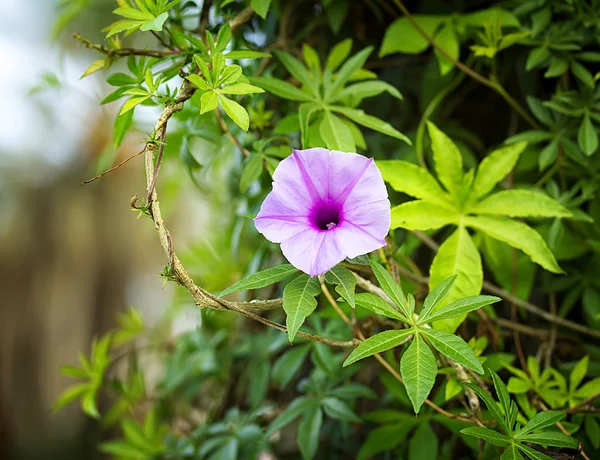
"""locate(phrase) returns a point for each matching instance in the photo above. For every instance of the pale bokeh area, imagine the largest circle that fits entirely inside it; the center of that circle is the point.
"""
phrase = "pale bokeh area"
(71, 257)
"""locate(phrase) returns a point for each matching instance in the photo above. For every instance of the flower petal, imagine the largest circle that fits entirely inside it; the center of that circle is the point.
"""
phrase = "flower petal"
(364, 228)
(305, 173)
(313, 252)
(369, 188)
(281, 216)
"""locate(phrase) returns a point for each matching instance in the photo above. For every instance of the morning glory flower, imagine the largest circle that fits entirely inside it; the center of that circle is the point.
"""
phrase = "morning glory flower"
(325, 206)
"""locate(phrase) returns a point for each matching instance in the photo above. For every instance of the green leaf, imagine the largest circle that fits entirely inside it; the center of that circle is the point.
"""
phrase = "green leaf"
(94, 67)
(198, 59)
(336, 134)
(131, 103)
(209, 101)
(156, 24)
(295, 67)
(493, 437)
(88, 404)
(360, 117)
(288, 364)
(518, 386)
(542, 420)
(377, 343)
(436, 295)
(308, 432)
(447, 158)
(422, 215)
(520, 203)
(532, 453)
(457, 256)
(378, 305)
(299, 302)
(390, 287)
(121, 79)
(518, 235)
(348, 69)
(413, 180)
(385, 438)
(280, 88)
(459, 307)
(71, 394)
(337, 409)
(587, 137)
(122, 449)
(536, 57)
(122, 125)
(549, 154)
(236, 112)
(367, 89)
(549, 438)
(402, 37)
(418, 369)
(454, 348)
(512, 453)
(502, 392)
(338, 54)
(448, 41)
(496, 167)
(241, 88)
(298, 405)
(246, 54)
(423, 443)
(491, 405)
(582, 73)
(230, 75)
(253, 167)
(198, 81)
(261, 7)
(73, 372)
(578, 373)
(305, 112)
(261, 279)
(345, 282)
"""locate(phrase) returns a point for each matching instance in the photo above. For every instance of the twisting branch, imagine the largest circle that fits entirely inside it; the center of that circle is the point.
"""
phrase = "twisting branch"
(490, 83)
(125, 51)
(108, 171)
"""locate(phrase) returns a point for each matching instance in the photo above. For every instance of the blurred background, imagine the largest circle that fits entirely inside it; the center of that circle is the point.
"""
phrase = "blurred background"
(71, 256)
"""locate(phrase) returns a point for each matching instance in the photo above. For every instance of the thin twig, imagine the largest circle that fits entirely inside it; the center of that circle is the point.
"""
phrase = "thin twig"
(108, 171)
(493, 84)
(228, 133)
(583, 404)
(125, 51)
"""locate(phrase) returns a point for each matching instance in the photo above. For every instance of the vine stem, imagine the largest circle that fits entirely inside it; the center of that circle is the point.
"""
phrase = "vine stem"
(490, 83)
(387, 365)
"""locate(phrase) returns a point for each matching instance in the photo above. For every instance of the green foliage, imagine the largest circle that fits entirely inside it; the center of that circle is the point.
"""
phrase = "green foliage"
(500, 197)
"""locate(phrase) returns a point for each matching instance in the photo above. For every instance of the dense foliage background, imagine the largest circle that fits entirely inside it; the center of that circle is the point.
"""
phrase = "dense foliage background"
(486, 112)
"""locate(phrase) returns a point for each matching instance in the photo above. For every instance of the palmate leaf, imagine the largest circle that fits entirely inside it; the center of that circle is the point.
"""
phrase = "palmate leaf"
(418, 369)
(368, 121)
(459, 307)
(261, 279)
(367, 89)
(447, 159)
(456, 256)
(495, 167)
(345, 283)
(491, 436)
(348, 69)
(512, 453)
(436, 295)
(391, 288)
(549, 438)
(336, 134)
(520, 203)
(422, 215)
(280, 88)
(299, 302)
(308, 432)
(518, 235)
(295, 67)
(541, 420)
(377, 343)
(532, 453)
(378, 305)
(454, 348)
(413, 180)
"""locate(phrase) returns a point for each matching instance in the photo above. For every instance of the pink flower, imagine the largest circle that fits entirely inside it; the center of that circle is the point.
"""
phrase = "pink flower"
(325, 206)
